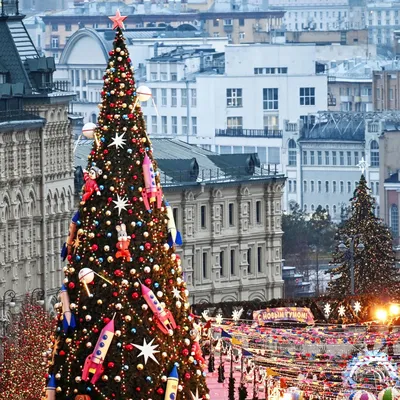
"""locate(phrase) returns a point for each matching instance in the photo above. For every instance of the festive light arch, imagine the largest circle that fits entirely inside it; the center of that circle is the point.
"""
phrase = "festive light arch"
(371, 358)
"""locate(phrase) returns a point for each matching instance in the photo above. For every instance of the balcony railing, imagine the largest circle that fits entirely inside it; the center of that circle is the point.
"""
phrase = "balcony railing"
(239, 132)
(19, 115)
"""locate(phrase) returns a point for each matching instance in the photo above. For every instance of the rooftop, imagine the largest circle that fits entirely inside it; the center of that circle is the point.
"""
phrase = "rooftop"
(183, 164)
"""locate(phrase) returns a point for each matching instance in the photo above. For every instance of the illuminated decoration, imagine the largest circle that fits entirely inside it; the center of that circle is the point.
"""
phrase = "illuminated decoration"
(357, 307)
(372, 362)
(236, 314)
(120, 203)
(327, 309)
(297, 314)
(389, 394)
(205, 315)
(118, 141)
(118, 20)
(133, 329)
(196, 396)
(342, 311)
(218, 319)
(147, 350)
(362, 165)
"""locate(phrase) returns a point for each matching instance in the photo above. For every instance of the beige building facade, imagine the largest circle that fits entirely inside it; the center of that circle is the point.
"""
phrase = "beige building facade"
(386, 89)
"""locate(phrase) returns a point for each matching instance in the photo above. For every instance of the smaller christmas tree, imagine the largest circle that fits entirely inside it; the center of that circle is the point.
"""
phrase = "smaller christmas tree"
(24, 369)
(373, 261)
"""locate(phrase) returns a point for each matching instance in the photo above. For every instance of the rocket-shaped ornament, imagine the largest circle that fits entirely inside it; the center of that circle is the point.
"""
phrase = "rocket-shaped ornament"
(51, 388)
(174, 236)
(68, 317)
(67, 247)
(164, 319)
(172, 385)
(151, 192)
(94, 362)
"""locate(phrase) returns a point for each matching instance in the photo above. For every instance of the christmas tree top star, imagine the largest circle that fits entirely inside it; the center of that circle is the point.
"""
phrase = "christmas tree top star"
(118, 20)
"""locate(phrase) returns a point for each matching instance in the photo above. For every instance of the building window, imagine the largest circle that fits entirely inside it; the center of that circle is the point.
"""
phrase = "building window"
(241, 35)
(334, 186)
(174, 122)
(68, 27)
(304, 158)
(174, 76)
(312, 186)
(234, 98)
(175, 214)
(349, 158)
(290, 185)
(173, 98)
(394, 220)
(164, 124)
(222, 262)
(193, 97)
(334, 158)
(292, 153)
(249, 261)
(234, 123)
(184, 125)
(270, 99)
(221, 213)
(258, 71)
(341, 187)
(319, 157)
(304, 186)
(294, 186)
(183, 97)
(348, 187)
(164, 76)
(154, 92)
(216, 22)
(154, 126)
(259, 259)
(231, 214)
(356, 160)
(319, 186)
(327, 158)
(153, 77)
(377, 188)
(194, 125)
(307, 96)
(374, 154)
(203, 216)
(326, 186)
(54, 42)
(258, 209)
(233, 262)
(341, 157)
(205, 271)
(312, 158)
(163, 97)
(241, 21)
(54, 27)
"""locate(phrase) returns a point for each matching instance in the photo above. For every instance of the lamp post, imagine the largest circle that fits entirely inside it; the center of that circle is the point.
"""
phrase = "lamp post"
(37, 296)
(343, 248)
(12, 295)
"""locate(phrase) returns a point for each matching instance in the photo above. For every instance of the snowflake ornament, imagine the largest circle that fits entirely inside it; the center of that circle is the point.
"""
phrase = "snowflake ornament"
(196, 396)
(357, 307)
(205, 314)
(236, 314)
(118, 141)
(341, 311)
(327, 309)
(120, 203)
(177, 294)
(147, 350)
(218, 319)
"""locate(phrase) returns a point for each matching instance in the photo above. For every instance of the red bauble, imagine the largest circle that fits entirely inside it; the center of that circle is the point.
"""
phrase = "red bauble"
(118, 272)
(185, 352)
(147, 246)
(71, 285)
(130, 211)
(110, 364)
(115, 294)
(106, 320)
(109, 199)
(134, 177)
(147, 281)
(105, 151)
(95, 330)
(187, 375)
(111, 52)
(133, 236)
(138, 389)
(95, 247)
(130, 116)
(135, 295)
(61, 353)
(116, 80)
(160, 391)
(129, 347)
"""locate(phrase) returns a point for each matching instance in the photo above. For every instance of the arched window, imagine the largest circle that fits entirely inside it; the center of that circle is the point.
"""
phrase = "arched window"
(394, 220)
(305, 208)
(292, 153)
(374, 154)
(94, 118)
(312, 208)
(334, 210)
(327, 208)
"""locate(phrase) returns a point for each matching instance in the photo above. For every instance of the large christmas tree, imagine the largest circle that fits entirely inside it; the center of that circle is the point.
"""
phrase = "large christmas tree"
(124, 330)
(374, 269)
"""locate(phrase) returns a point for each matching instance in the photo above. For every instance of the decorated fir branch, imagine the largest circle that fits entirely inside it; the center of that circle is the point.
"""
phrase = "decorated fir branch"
(124, 329)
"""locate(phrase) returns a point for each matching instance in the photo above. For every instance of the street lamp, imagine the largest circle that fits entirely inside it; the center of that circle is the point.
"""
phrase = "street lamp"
(37, 296)
(12, 295)
(343, 248)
